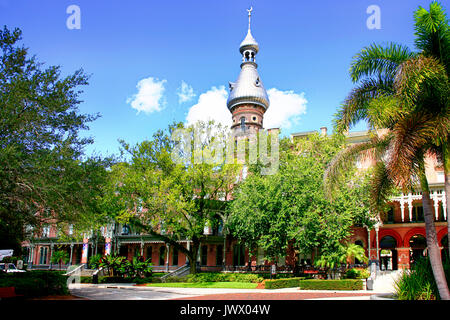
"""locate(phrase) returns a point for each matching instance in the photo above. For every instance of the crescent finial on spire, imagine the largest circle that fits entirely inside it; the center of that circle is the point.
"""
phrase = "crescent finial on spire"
(249, 15)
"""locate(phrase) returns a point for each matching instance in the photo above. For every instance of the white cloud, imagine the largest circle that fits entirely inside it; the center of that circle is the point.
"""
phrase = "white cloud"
(185, 93)
(211, 105)
(150, 95)
(285, 109)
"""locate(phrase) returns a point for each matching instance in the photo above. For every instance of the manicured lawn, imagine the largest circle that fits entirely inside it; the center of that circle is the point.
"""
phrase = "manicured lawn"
(228, 285)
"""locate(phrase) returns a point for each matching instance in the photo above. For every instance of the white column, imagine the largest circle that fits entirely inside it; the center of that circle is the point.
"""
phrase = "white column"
(444, 204)
(410, 206)
(167, 256)
(71, 253)
(434, 196)
(30, 261)
(402, 206)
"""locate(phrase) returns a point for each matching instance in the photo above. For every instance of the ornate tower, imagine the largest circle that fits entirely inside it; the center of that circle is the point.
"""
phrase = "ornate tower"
(248, 100)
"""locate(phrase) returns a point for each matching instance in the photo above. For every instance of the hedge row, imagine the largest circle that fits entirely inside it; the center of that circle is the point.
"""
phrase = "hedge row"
(36, 283)
(106, 279)
(283, 283)
(225, 277)
(331, 284)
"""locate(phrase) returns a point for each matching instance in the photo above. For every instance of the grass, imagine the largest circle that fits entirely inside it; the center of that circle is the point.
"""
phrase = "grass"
(227, 285)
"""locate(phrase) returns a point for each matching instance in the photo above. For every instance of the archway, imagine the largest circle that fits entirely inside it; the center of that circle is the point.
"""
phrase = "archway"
(388, 253)
(417, 245)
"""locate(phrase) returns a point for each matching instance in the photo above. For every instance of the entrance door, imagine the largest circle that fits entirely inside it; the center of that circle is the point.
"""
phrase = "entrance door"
(388, 253)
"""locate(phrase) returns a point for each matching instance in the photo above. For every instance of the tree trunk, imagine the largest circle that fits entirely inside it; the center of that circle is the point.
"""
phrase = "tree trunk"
(193, 257)
(446, 153)
(432, 242)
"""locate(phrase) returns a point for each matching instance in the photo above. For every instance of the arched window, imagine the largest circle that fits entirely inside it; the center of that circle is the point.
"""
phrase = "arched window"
(242, 120)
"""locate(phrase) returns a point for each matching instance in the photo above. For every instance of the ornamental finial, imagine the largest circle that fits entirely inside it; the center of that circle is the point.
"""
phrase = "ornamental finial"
(249, 16)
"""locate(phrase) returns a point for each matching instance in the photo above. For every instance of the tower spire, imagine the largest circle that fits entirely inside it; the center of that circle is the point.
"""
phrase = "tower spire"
(249, 16)
(248, 100)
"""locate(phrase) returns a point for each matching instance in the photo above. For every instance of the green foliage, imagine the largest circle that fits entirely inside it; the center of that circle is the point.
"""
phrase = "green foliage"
(331, 285)
(119, 266)
(95, 261)
(224, 277)
(60, 257)
(290, 206)
(356, 273)
(43, 167)
(36, 283)
(10, 260)
(175, 199)
(418, 283)
(283, 283)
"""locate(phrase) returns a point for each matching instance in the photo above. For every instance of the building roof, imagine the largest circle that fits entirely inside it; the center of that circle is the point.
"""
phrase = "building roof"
(248, 88)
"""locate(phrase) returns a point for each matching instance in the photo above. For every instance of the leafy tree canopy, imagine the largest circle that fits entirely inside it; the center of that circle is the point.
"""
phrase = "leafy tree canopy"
(44, 175)
(290, 206)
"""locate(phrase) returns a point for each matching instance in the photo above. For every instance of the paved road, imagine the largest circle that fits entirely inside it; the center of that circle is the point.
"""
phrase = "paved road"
(93, 293)
(128, 292)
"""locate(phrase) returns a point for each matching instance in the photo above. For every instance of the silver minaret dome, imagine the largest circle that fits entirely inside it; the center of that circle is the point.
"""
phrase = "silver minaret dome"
(248, 88)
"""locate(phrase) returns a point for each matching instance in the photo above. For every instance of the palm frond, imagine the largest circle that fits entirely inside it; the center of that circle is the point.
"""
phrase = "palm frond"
(422, 82)
(381, 188)
(377, 60)
(411, 137)
(346, 158)
(432, 32)
(356, 104)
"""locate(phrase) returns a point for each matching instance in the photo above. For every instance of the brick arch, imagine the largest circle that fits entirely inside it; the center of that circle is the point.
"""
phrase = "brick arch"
(441, 234)
(413, 231)
(388, 232)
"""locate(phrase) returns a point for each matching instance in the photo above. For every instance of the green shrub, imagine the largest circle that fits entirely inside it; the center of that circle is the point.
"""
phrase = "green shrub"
(277, 276)
(418, 283)
(95, 261)
(221, 277)
(357, 274)
(283, 283)
(36, 283)
(10, 260)
(347, 284)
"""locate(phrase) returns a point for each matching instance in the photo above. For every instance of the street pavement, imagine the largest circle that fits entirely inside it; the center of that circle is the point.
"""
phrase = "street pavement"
(130, 292)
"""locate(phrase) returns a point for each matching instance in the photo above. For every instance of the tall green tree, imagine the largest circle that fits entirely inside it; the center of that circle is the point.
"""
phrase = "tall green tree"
(406, 93)
(44, 175)
(289, 207)
(169, 199)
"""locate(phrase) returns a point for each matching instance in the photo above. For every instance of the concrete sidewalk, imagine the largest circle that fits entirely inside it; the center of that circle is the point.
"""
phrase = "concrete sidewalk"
(214, 291)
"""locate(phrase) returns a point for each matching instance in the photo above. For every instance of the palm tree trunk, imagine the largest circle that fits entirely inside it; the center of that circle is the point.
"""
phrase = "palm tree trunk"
(432, 242)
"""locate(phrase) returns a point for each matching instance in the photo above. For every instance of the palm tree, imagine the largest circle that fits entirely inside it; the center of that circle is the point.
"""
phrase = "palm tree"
(408, 94)
(433, 38)
(60, 257)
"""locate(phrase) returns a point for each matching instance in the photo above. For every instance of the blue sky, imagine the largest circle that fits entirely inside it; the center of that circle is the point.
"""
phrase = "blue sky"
(305, 52)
